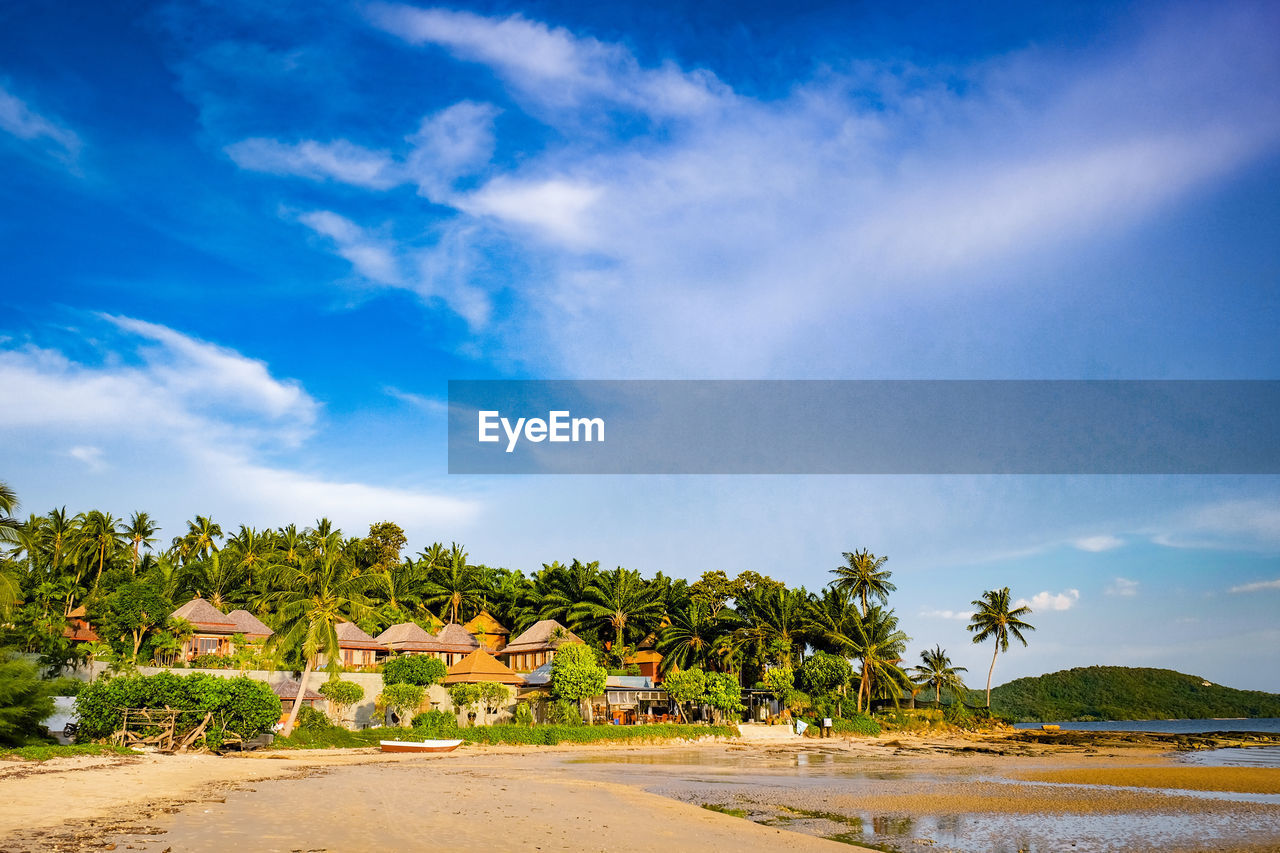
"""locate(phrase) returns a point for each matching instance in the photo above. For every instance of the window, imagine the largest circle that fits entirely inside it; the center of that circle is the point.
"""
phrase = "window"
(209, 645)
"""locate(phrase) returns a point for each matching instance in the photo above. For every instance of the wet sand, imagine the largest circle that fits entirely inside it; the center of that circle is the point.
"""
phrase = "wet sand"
(897, 793)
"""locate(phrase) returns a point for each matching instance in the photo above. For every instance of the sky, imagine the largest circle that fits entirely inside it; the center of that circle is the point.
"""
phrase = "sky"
(244, 246)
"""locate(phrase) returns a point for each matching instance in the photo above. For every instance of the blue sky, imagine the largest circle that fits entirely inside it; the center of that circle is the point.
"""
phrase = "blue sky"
(243, 250)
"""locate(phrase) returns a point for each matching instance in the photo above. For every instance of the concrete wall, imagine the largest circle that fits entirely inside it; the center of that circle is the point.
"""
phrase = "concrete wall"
(361, 716)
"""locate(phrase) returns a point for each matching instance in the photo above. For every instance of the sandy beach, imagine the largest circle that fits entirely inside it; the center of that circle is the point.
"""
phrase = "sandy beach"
(900, 793)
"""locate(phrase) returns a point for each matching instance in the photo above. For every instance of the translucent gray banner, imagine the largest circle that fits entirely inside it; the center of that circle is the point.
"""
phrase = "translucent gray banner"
(864, 427)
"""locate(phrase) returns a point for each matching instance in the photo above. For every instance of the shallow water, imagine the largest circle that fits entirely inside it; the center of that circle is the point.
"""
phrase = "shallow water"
(1179, 727)
(1249, 756)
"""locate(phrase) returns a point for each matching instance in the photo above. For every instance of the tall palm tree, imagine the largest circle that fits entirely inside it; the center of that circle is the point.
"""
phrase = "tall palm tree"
(565, 589)
(101, 537)
(397, 589)
(59, 536)
(863, 576)
(879, 646)
(774, 624)
(937, 671)
(214, 579)
(995, 620)
(692, 636)
(310, 601)
(621, 600)
(141, 530)
(9, 526)
(289, 543)
(454, 586)
(200, 539)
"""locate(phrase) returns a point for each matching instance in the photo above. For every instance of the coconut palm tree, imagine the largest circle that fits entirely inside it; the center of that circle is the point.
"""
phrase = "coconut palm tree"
(454, 586)
(995, 620)
(397, 590)
(309, 602)
(214, 579)
(692, 636)
(937, 671)
(141, 530)
(101, 537)
(879, 646)
(9, 526)
(200, 539)
(773, 624)
(289, 544)
(564, 589)
(620, 600)
(863, 576)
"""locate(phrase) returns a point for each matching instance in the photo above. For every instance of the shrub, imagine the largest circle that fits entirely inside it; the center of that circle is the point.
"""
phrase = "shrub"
(341, 695)
(24, 702)
(464, 696)
(211, 662)
(565, 713)
(413, 669)
(64, 686)
(436, 723)
(824, 673)
(523, 715)
(687, 686)
(402, 699)
(239, 705)
(312, 720)
(858, 724)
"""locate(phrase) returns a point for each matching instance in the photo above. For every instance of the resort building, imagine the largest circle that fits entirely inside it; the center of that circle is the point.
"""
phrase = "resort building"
(537, 646)
(251, 626)
(452, 644)
(407, 638)
(481, 666)
(631, 699)
(288, 691)
(488, 631)
(211, 629)
(358, 650)
(80, 631)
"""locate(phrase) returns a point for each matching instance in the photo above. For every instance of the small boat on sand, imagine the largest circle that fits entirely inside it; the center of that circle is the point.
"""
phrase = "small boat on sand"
(419, 745)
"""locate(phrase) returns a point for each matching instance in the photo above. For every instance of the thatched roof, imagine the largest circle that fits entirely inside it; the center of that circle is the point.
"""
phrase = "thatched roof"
(481, 666)
(407, 637)
(288, 689)
(538, 638)
(454, 638)
(484, 623)
(205, 618)
(351, 637)
(249, 625)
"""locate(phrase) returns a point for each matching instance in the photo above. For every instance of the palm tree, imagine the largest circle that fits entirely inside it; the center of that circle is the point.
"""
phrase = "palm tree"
(398, 589)
(214, 579)
(310, 601)
(9, 526)
(936, 671)
(59, 534)
(994, 619)
(454, 586)
(691, 636)
(200, 539)
(141, 531)
(565, 589)
(621, 600)
(774, 623)
(101, 537)
(863, 576)
(289, 544)
(879, 645)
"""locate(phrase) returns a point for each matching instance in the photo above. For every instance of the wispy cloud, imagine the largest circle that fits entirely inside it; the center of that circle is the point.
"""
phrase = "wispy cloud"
(19, 119)
(430, 405)
(1236, 524)
(1258, 586)
(1096, 544)
(340, 161)
(1123, 587)
(957, 615)
(90, 456)
(1046, 600)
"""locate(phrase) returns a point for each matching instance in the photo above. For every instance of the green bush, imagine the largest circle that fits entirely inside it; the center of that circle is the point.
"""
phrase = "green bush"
(523, 714)
(436, 723)
(402, 699)
(64, 686)
(859, 724)
(211, 662)
(562, 712)
(24, 702)
(413, 669)
(505, 734)
(341, 695)
(239, 705)
(311, 720)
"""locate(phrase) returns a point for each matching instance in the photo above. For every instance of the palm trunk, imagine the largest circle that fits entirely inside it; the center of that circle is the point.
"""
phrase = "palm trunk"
(297, 700)
(989, 672)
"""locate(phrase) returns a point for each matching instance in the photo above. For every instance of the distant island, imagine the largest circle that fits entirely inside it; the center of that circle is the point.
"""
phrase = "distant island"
(1126, 693)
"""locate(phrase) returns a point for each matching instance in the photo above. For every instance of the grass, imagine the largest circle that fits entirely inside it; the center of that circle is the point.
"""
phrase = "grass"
(337, 738)
(732, 812)
(45, 751)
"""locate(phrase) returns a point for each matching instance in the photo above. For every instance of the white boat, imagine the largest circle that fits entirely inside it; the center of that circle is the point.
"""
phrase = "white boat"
(419, 745)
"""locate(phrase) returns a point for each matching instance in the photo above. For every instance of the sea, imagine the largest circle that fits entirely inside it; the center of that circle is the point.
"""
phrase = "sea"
(1253, 756)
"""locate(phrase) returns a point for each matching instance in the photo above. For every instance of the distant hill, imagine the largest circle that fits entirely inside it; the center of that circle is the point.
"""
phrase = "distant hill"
(1125, 693)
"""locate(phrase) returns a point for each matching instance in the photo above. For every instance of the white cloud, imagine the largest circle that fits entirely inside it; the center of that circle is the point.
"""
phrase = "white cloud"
(1232, 524)
(1123, 587)
(551, 65)
(430, 405)
(1046, 600)
(90, 456)
(1259, 586)
(1096, 544)
(453, 143)
(559, 208)
(199, 424)
(340, 161)
(18, 119)
(372, 257)
(958, 615)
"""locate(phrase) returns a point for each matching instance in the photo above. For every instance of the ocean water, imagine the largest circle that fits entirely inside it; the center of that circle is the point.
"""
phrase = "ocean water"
(1181, 727)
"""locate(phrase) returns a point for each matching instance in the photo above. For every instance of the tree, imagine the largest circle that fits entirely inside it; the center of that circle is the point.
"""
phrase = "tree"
(879, 647)
(413, 669)
(464, 696)
(863, 576)
(341, 695)
(218, 580)
(134, 610)
(200, 539)
(775, 623)
(383, 544)
(825, 673)
(690, 636)
(454, 586)
(100, 537)
(723, 694)
(310, 601)
(995, 620)
(24, 701)
(140, 531)
(9, 526)
(780, 681)
(936, 671)
(576, 676)
(403, 700)
(493, 696)
(686, 688)
(620, 599)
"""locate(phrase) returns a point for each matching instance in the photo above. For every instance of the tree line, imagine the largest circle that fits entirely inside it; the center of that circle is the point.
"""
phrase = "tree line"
(303, 582)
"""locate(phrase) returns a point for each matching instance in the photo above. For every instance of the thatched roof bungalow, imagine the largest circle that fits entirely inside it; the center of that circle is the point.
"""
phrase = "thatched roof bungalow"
(251, 626)
(453, 643)
(481, 666)
(359, 650)
(79, 630)
(537, 645)
(488, 631)
(407, 638)
(211, 629)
